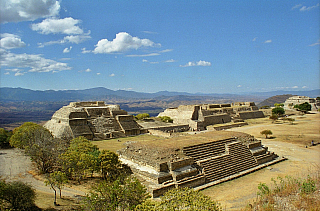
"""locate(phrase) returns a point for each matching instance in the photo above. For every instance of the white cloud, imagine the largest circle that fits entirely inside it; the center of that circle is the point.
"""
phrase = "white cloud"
(296, 6)
(154, 62)
(305, 8)
(199, 63)
(239, 86)
(84, 50)
(143, 55)
(166, 50)
(268, 41)
(112, 75)
(254, 39)
(98, 73)
(58, 26)
(304, 87)
(21, 10)
(122, 42)
(7, 73)
(150, 32)
(9, 41)
(31, 62)
(144, 60)
(170, 60)
(314, 44)
(295, 87)
(67, 50)
(68, 39)
(88, 70)
(19, 73)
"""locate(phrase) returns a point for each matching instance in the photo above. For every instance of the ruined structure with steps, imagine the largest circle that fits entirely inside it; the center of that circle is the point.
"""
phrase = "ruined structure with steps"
(93, 120)
(199, 117)
(296, 100)
(197, 165)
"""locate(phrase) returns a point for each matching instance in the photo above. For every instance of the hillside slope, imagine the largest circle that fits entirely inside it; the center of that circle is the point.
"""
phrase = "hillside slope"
(274, 99)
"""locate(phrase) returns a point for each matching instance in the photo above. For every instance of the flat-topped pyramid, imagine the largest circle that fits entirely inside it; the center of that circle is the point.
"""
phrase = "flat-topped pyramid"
(93, 120)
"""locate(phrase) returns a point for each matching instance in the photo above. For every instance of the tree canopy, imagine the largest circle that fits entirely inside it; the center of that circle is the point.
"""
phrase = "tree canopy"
(39, 144)
(121, 194)
(142, 116)
(181, 199)
(266, 133)
(5, 138)
(304, 107)
(17, 196)
(278, 111)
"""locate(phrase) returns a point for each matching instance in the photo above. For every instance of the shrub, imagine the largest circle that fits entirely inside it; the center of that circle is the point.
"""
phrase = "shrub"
(278, 111)
(142, 116)
(166, 119)
(17, 195)
(266, 133)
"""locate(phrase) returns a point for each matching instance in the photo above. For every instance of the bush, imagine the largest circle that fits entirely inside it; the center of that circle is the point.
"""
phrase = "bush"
(5, 138)
(142, 116)
(17, 196)
(278, 111)
(166, 119)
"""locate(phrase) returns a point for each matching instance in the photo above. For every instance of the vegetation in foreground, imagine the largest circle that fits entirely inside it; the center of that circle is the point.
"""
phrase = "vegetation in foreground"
(289, 193)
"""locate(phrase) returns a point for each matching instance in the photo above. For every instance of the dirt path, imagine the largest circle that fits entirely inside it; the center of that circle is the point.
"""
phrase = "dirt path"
(289, 141)
(14, 166)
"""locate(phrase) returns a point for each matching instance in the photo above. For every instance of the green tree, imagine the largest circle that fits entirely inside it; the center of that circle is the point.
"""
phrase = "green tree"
(56, 180)
(109, 162)
(273, 118)
(79, 159)
(304, 107)
(121, 194)
(181, 199)
(142, 116)
(39, 144)
(166, 119)
(5, 138)
(278, 104)
(17, 196)
(266, 133)
(278, 111)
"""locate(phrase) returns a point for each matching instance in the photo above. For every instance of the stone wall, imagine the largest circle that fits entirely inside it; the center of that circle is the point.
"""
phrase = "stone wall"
(251, 115)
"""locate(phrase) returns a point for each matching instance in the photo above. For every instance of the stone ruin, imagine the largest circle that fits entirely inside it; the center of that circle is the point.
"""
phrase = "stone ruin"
(93, 120)
(295, 100)
(168, 163)
(199, 117)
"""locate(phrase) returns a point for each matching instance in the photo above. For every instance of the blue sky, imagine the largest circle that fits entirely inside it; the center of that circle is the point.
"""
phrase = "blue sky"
(149, 46)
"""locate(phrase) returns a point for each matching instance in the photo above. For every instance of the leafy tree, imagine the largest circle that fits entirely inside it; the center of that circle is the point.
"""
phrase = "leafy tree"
(181, 199)
(79, 158)
(121, 194)
(17, 195)
(5, 137)
(56, 180)
(39, 144)
(278, 111)
(142, 116)
(266, 133)
(109, 162)
(273, 118)
(304, 107)
(278, 104)
(166, 119)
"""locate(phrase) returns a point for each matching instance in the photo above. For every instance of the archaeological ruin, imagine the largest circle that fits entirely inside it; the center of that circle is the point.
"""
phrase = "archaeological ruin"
(199, 117)
(295, 100)
(200, 162)
(93, 120)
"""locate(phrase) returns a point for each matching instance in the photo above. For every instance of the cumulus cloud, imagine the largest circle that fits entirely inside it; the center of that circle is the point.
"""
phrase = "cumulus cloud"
(112, 75)
(239, 86)
(144, 60)
(87, 70)
(199, 63)
(67, 50)
(58, 26)
(31, 62)
(268, 41)
(9, 41)
(304, 87)
(170, 60)
(21, 10)
(98, 73)
(122, 42)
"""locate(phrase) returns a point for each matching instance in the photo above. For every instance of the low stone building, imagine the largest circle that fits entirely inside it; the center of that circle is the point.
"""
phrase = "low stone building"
(93, 120)
(295, 100)
(200, 116)
(197, 162)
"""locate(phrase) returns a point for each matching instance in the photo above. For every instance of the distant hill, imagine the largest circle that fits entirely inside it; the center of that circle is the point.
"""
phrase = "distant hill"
(275, 99)
(312, 93)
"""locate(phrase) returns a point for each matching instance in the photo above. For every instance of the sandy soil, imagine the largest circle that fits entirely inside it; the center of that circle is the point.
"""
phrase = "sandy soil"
(289, 141)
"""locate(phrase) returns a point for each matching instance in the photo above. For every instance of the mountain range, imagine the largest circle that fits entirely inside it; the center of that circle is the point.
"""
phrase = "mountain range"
(101, 93)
